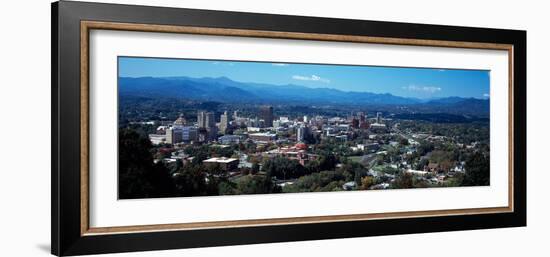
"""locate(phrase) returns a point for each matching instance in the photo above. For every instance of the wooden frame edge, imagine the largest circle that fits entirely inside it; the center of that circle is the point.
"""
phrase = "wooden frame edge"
(84, 128)
(290, 221)
(86, 26)
(287, 35)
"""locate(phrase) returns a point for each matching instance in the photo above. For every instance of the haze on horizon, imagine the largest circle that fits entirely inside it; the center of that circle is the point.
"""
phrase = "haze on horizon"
(423, 83)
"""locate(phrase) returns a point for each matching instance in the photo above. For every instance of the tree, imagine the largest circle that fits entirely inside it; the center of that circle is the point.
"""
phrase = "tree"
(283, 168)
(318, 182)
(422, 163)
(176, 166)
(138, 176)
(403, 180)
(313, 166)
(477, 170)
(420, 183)
(424, 148)
(311, 139)
(227, 188)
(256, 184)
(255, 168)
(191, 181)
(367, 182)
(327, 162)
(357, 178)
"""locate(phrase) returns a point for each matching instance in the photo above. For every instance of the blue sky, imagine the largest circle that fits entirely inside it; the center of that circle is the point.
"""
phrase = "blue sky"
(407, 82)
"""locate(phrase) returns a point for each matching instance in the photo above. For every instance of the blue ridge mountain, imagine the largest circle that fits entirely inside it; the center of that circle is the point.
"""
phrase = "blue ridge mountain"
(223, 89)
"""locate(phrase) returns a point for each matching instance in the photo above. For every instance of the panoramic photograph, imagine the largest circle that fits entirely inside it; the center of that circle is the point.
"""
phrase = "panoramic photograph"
(190, 127)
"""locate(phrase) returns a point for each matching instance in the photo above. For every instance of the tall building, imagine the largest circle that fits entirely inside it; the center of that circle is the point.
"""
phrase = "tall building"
(363, 123)
(252, 122)
(378, 117)
(354, 123)
(361, 116)
(173, 135)
(207, 121)
(301, 133)
(266, 113)
(235, 114)
(211, 126)
(224, 122)
(189, 134)
(210, 120)
(201, 119)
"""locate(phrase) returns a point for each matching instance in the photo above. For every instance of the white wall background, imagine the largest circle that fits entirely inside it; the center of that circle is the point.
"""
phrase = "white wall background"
(25, 127)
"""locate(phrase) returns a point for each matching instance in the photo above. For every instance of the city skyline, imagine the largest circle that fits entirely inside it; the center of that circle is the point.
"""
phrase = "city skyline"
(177, 137)
(423, 83)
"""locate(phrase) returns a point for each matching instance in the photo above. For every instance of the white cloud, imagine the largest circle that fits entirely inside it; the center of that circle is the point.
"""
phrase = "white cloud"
(486, 95)
(311, 78)
(425, 89)
(280, 64)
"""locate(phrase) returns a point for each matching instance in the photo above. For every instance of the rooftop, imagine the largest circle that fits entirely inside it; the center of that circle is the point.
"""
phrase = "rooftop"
(180, 121)
(220, 160)
(263, 134)
(378, 125)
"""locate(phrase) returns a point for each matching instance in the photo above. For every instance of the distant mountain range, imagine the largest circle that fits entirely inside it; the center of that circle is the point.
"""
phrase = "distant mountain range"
(223, 89)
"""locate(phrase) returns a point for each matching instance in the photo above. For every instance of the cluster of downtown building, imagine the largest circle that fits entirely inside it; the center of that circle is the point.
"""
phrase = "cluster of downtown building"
(207, 130)
(264, 128)
(261, 129)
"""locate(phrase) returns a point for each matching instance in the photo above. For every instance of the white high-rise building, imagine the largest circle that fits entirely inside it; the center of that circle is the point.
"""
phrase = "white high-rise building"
(206, 119)
(224, 122)
(201, 119)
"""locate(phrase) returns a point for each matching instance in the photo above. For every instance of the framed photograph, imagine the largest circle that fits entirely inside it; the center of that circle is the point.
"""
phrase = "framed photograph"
(178, 128)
